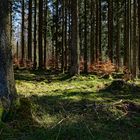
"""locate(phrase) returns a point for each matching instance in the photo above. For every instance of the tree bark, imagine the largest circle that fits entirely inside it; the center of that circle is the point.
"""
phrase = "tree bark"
(7, 84)
(45, 32)
(110, 30)
(22, 35)
(63, 36)
(139, 32)
(126, 34)
(85, 38)
(35, 38)
(134, 41)
(30, 31)
(92, 33)
(118, 37)
(40, 35)
(74, 39)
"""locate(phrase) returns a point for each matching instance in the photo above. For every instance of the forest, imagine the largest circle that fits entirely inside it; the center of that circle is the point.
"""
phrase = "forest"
(70, 70)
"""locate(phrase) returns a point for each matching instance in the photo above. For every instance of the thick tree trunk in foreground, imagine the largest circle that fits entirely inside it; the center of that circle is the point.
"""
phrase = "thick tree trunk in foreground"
(7, 83)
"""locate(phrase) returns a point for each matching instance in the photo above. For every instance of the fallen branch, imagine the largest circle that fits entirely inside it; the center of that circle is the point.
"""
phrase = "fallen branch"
(59, 122)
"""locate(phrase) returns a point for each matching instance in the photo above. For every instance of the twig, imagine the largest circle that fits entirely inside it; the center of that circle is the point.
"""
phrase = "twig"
(116, 103)
(58, 132)
(58, 123)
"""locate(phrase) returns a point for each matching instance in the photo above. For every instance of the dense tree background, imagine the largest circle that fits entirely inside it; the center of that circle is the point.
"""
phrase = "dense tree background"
(55, 34)
(76, 67)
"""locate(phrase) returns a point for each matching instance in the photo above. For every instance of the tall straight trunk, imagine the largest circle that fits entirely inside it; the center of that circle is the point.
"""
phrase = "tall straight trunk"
(66, 36)
(97, 31)
(100, 32)
(45, 32)
(126, 34)
(131, 36)
(85, 38)
(30, 31)
(63, 35)
(92, 33)
(118, 37)
(22, 34)
(40, 35)
(74, 38)
(134, 41)
(110, 30)
(56, 36)
(35, 38)
(81, 29)
(139, 32)
(7, 84)
(53, 39)
(69, 34)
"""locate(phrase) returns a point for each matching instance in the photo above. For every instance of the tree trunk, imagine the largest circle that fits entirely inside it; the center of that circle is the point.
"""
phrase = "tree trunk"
(7, 83)
(85, 38)
(11, 21)
(45, 32)
(40, 35)
(139, 32)
(118, 37)
(134, 41)
(74, 39)
(66, 36)
(110, 30)
(69, 34)
(97, 31)
(63, 35)
(100, 30)
(22, 35)
(35, 39)
(126, 34)
(56, 35)
(92, 33)
(30, 31)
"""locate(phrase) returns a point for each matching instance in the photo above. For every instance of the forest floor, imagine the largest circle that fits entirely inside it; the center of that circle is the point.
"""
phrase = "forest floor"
(85, 107)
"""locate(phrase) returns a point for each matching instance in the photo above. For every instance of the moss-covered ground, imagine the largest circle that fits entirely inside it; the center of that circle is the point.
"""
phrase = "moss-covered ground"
(72, 108)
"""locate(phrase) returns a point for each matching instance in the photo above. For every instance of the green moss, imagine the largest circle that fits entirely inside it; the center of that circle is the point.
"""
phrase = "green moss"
(64, 108)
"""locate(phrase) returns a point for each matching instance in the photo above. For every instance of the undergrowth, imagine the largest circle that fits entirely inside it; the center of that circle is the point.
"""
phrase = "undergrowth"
(71, 108)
